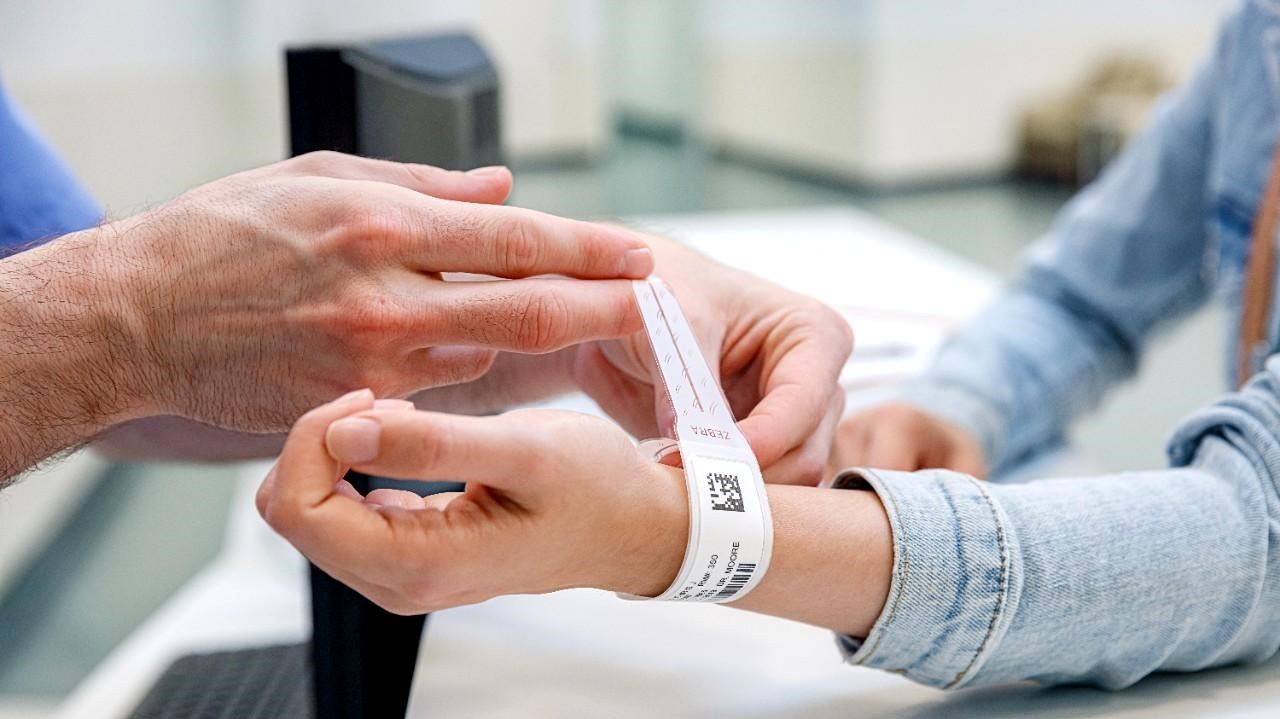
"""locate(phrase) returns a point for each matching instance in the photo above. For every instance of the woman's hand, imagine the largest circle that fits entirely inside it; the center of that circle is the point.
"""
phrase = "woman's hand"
(899, 436)
(778, 355)
(554, 500)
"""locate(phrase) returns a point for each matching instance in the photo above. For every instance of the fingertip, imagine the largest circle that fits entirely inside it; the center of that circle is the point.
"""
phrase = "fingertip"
(494, 182)
(637, 263)
(348, 490)
(350, 399)
(397, 498)
(393, 404)
(354, 440)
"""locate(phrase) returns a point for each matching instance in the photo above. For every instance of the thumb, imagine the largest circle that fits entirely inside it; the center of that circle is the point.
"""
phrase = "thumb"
(306, 475)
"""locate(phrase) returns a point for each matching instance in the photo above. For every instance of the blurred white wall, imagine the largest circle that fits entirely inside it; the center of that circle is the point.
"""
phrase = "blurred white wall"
(886, 91)
(149, 97)
(655, 60)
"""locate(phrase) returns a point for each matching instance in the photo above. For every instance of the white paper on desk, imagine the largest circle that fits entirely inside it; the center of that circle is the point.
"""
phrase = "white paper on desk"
(888, 352)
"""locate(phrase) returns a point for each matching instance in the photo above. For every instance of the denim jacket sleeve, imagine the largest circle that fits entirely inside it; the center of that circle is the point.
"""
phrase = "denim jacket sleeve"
(1100, 580)
(1128, 253)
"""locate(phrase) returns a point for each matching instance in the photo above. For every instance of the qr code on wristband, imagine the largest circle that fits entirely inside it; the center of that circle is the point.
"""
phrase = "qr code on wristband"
(726, 492)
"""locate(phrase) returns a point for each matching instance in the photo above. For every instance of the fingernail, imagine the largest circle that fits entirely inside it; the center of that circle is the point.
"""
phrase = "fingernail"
(637, 263)
(393, 404)
(354, 440)
(353, 395)
(490, 171)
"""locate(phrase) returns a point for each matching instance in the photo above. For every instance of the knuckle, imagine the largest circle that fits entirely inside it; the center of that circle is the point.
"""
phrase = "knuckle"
(318, 161)
(543, 322)
(626, 315)
(518, 248)
(366, 319)
(431, 453)
(595, 248)
(362, 228)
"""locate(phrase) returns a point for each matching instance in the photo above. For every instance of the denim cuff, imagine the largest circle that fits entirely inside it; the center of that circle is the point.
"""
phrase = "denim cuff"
(954, 580)
(962, 407)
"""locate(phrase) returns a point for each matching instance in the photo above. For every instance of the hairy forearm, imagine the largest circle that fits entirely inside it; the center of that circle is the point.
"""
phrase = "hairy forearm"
(69, 367)
(832, 559)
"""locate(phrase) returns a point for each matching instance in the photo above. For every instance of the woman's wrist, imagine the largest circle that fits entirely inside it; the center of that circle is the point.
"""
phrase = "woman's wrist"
(832, 559)
(650, 538)
(832, 552)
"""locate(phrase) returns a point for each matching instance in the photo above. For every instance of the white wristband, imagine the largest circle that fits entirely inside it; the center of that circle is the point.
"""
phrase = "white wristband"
(730, 527)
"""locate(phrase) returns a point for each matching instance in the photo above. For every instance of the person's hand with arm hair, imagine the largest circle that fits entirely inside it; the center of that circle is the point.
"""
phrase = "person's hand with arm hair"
(779, 356)
(247, 300)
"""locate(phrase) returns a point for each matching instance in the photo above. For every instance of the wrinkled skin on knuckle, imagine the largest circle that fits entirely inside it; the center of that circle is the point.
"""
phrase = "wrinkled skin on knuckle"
(517, 246)
(542, 321)
(366, 318)
(622, 309)
(595, 250)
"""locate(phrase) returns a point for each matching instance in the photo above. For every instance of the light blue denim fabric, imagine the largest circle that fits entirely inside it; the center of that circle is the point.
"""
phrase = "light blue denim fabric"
(1104, 580)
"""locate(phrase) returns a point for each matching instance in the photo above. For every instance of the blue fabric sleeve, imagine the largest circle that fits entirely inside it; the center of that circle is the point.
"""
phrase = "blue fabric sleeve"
(1101, 580)
(39, 197)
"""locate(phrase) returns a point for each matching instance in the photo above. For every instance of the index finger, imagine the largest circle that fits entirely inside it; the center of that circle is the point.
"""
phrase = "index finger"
(513, 242)
(796, 392)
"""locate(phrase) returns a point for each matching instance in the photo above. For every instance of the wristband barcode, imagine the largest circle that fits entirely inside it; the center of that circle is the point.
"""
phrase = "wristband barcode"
(730, 527)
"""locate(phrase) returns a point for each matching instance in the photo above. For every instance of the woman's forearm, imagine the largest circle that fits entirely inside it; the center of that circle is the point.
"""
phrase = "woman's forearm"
(832, 559)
